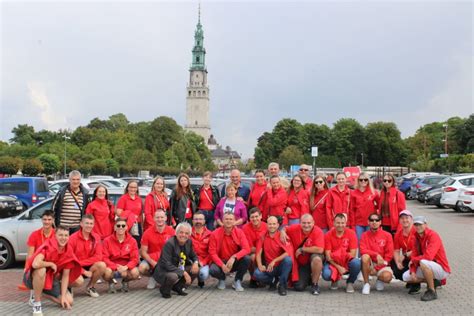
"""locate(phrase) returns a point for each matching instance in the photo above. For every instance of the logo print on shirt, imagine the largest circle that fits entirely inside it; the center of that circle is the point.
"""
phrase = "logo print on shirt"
(381, 242)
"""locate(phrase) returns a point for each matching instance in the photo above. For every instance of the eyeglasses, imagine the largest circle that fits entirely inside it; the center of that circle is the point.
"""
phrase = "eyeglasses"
(121, 226)
(304, 169)
(363, 180)
(374, 220)
(319, 182)
(387, 180)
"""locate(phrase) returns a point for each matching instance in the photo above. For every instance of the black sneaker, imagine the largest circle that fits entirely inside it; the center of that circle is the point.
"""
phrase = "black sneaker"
(180, 290)
(201, 284)
(165, 294)
(429, 295)
(273, 285)
(315, 289)
(415, 288)
(282, 290)
(408, 285)
(253, 284)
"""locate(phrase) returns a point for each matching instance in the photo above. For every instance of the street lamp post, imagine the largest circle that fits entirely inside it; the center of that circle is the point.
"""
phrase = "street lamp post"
(362, 162)
(65, 152)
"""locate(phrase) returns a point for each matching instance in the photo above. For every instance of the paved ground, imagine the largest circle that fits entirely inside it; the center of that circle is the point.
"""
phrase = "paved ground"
(454, 299)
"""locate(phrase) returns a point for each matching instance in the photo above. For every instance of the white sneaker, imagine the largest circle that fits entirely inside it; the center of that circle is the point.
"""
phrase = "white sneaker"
(37, 311)
(221, 285)
(237, 285)
(151, 283)
(92, 292)
(349, 288)
(334, 285)
(366, 289)
(379, 285)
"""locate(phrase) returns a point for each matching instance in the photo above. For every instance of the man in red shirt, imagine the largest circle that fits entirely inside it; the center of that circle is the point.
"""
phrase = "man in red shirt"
(376, 248)
(200, 237)
(277, 197)
(51, 270)
(341, 250)
(88, 249)
(152, 243)
(429, 262)
(308, 244)
(254, 230)
(402, 253)
(120, 256)
(275, 263)
(229, 250)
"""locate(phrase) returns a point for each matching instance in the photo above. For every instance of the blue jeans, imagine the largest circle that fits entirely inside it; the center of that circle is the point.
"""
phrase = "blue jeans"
(360, 230)
(293, 221)
(203, 273)
(282, 271)
(354, 269)
(209, 216)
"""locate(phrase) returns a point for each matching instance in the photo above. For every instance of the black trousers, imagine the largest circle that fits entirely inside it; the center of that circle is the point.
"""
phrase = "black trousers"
(396, 271)
(240, 266)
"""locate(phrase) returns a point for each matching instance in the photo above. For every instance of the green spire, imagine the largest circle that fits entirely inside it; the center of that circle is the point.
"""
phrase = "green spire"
(199, 52)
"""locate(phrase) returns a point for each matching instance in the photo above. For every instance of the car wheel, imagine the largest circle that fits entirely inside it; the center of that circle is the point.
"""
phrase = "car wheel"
(458, 206)
(464, 208)
(7, 256)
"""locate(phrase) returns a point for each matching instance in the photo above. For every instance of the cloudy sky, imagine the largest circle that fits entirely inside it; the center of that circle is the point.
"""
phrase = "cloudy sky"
(66, 62)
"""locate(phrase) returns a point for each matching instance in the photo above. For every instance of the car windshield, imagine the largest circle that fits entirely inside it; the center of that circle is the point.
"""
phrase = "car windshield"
(41, 185)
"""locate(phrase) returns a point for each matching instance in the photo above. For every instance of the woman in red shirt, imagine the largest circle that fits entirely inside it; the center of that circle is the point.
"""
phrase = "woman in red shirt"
(298, 200)
(103, 211)
(392, 202)
(338, 200)
(257, 195)
(130, 207)
(157, 199)
(317, 202)
(364, 202)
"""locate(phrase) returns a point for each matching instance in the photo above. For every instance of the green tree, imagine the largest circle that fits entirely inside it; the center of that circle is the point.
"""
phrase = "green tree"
(291, 155)
(32, 167)
(51, 163)
(385, 145)
(10, 165)
(113, 167)
(24, 134)
(264, 150)
(98, 166)
(348, 141)
(465, 136)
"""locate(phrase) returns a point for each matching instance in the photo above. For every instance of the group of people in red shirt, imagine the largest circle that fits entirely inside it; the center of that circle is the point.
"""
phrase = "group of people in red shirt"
(292, 234)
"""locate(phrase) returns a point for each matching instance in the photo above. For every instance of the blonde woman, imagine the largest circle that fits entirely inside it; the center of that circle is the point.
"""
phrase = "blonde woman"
(364, 202)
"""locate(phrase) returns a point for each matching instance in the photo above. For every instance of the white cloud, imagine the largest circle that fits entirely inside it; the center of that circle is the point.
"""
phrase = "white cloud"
(49, 118)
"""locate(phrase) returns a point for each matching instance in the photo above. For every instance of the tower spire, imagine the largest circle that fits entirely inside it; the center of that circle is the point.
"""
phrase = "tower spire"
(199, 13)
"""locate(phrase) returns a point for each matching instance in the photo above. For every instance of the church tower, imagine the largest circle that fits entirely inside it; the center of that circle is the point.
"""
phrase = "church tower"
(197, 97)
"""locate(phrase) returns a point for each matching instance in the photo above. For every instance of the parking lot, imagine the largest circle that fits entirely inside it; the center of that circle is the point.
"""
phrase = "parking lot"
(456, 298)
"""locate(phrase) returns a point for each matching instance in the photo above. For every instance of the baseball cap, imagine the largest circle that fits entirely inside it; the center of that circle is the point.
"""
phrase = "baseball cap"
(405, 212)
(419, 220)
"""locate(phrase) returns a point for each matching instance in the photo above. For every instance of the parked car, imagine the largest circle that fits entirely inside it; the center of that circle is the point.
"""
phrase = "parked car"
(424, 182)
(429, 183)
(433, 197)
(10, 206)
(450, 194)
(405, 185)
(89, 184)
(14, 231)
(29, 190)
(411, 193)
(466, 199)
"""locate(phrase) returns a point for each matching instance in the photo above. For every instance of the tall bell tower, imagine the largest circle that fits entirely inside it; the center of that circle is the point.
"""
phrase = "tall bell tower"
(197, 97)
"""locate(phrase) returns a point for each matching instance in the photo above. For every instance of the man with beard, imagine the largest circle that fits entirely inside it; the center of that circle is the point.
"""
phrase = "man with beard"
(254, 230)
(200, 237)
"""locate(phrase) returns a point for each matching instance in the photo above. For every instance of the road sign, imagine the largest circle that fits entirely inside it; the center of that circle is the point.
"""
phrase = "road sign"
(443, 155)
(314, 151)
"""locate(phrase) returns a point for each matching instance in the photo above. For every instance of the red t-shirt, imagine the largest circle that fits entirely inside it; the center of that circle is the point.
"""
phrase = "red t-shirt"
(314, 239)
(347, 241)
(298, 202)
(205, 201)
(377, 243)
(126, 203)
(201, 245)
(253, 234)
(155, 240)
(362, 205)
(400, 241)
(319, 209)
(37, 238)
(229, 247)
(104, 217)
(272, 247)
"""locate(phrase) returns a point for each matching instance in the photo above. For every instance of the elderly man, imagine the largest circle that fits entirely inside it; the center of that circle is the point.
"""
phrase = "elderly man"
(341, 250)
(178, 264)
(51, 270)
(376, 248)
(304, 173)
(429, 262)
(274, 170)
(254, 230)
(70, 203)
(229, 250)
(243, 191)
(308, 244)
(152, 244)
(88, 249)
(273, 258)
(200, 237)
(402, 253)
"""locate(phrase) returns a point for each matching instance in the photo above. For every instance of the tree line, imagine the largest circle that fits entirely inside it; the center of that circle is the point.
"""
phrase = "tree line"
(376, 144)
(110, 147)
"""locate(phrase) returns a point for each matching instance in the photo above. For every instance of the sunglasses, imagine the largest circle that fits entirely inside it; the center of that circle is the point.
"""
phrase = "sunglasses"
(363, 180)
(319, 182)
(374, 220)
(121, 226)
(304, 169)
(387, 180)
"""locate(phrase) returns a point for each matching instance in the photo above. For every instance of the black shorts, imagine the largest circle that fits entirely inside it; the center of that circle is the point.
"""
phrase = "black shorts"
(55, 291)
